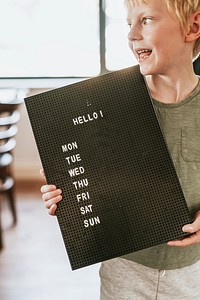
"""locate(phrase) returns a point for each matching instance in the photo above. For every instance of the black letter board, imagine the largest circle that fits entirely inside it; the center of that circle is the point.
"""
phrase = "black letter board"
(100, 142)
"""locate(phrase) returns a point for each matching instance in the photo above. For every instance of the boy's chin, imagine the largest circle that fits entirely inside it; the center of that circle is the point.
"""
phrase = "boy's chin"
(147, 71)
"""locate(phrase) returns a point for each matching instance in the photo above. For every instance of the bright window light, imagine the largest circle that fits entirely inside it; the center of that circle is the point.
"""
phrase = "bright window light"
(42, 38)
(118, 54)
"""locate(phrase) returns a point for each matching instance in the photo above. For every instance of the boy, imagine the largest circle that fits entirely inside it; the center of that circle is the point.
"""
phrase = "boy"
(165, 37)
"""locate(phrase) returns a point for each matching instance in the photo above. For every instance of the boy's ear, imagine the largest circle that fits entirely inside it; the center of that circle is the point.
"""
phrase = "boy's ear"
(193, 32)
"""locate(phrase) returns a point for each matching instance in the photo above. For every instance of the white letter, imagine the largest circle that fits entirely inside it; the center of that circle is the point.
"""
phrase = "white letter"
(78, 158)
(86, 223)
(72, 172)
(95, 115)
(67, 158)
(75, 121)
(64, 148)
(75, 184)
(82, 210)
(78, 197)
(74, 145)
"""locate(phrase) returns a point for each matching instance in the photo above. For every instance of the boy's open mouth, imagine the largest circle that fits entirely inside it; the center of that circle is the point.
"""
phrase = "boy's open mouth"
(143, 54)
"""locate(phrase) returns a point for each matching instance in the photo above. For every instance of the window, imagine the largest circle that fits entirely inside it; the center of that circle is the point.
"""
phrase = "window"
(42, 38)
(62, 38)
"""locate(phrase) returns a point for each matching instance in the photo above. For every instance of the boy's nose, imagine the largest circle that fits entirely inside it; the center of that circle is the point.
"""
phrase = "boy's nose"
(134, 34)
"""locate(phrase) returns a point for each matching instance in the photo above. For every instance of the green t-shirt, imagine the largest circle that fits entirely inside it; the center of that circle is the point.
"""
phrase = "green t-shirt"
(180, 124)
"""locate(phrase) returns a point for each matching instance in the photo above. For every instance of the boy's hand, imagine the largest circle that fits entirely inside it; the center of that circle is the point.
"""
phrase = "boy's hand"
(194, 238)
(51, 196)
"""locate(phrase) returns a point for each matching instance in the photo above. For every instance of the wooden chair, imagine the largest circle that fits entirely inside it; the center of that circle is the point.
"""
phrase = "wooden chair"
(9, 116)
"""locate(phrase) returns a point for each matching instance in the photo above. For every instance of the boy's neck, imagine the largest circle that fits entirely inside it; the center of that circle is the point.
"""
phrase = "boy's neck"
(173, 88)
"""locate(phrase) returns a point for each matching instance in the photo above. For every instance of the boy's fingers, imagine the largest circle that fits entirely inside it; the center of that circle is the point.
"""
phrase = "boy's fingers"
(50, 195)
(193, 227)
(47, 188)
(52, 209)
(53, 201)
(191, 240)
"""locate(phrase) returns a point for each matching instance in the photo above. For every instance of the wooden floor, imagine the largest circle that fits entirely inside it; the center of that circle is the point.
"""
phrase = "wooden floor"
(33, 263)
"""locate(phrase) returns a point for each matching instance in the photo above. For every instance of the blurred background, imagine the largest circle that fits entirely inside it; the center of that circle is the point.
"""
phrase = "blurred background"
(45, 45)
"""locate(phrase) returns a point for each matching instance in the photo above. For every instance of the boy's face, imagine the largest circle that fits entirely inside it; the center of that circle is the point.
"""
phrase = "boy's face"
(155, 38)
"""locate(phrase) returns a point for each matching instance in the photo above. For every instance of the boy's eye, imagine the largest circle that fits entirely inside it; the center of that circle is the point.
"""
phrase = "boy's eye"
(146, 21)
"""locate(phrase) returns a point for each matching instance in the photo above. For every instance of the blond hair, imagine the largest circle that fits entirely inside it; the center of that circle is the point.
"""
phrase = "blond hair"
(182, 9)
